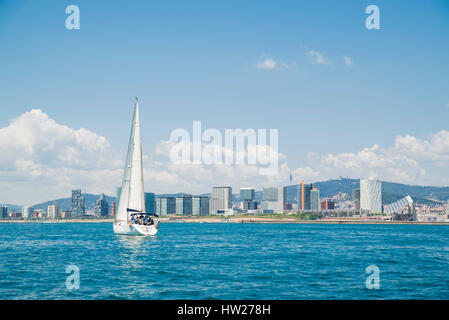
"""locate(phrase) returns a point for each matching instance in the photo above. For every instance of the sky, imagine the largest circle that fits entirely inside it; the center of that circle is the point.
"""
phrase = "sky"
(347, 101)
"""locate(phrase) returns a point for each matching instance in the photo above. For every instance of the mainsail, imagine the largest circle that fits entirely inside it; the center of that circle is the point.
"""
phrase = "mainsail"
(132, 194)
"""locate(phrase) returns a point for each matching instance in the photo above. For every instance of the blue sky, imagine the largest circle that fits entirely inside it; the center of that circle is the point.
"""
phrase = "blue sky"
(197, 60)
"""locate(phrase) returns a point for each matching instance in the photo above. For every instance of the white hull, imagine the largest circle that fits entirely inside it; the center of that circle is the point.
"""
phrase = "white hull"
(122, 227)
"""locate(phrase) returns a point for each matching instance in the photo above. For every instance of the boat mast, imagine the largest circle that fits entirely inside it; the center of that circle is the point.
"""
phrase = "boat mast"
(132, 195)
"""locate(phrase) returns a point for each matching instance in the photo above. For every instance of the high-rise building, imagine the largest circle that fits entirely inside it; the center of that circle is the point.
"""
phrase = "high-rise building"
(118, 191)
(247, 194)
(102, 207)
(150, 202)
(113, 209)
(27, 212)
(3, 212)
(304, 196)
(221, 200)
(52, 212)
(275, 199)
(356, 199)
(200, 205)
(315, 199)
(327, 204)
(184, 204)
(371, 195)
(165, 206)
(78, 205)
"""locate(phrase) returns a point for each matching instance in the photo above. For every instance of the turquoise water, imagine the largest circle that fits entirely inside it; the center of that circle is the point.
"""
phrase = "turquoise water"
(225, 261)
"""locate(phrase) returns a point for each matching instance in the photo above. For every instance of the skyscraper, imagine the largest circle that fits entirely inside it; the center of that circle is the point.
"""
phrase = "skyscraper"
(371, 195)
(356, 199)
(52, 212)
(150, 202)
(247, 196)
(3, 212)
(27, 212)
(315, 199)
(304, 196)
(200, 205)
(165, 205)
(184, 204)
(221, 200)
(102, 207)
(275, 199)
(78, 205)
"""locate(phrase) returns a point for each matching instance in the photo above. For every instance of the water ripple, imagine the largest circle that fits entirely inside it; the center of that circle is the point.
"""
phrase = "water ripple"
(224, 261)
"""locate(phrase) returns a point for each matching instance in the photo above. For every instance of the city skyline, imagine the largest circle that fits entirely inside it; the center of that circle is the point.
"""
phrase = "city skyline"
(366, 201)
(347, 101)
(341, 187)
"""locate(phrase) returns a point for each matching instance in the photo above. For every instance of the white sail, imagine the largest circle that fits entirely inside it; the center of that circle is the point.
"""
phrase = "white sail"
(132, 194)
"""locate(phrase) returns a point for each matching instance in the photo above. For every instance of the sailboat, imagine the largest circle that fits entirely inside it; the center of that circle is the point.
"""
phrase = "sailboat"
(131, 218)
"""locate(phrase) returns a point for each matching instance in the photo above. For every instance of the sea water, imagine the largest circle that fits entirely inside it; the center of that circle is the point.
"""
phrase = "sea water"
(224, 261)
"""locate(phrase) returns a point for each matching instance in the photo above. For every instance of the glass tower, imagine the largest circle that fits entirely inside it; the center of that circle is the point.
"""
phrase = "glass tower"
(304, 196)
(371, 195)
(150, 202)
(78, 205)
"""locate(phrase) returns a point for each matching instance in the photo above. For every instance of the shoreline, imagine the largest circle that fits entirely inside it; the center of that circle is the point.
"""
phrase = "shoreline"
(245, 220)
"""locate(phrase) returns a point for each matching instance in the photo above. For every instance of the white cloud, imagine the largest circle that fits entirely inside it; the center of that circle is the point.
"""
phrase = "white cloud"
(40, 157)
(267, 63)
(435, 149)
(348, 61)
(409, 160)
(318, 57)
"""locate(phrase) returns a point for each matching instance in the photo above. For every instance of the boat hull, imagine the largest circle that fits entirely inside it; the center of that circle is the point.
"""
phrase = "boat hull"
(122, 227)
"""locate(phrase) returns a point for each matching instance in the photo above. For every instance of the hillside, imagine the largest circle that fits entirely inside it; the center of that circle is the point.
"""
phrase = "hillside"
(66, 203)
(390, 193)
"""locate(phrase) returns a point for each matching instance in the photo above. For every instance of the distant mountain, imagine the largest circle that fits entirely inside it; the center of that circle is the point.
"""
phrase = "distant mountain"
(390, 193)
(90, 201)
(66, 203)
